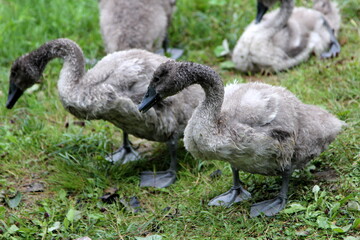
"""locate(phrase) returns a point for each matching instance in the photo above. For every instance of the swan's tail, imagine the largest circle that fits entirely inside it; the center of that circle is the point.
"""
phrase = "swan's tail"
(331, 12)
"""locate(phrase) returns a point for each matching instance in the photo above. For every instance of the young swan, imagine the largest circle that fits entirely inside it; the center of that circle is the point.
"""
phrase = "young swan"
(285, 38)
(255, 127)
(135, 24)
(326, 7)
(111, 91)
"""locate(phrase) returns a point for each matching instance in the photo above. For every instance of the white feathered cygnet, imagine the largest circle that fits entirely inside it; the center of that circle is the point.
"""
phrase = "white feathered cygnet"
(135, 24)
(284, 38)
(255, 127)
(111, 91)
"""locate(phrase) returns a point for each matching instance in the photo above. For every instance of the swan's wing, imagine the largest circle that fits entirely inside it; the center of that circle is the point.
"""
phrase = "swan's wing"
(128, 72)
(253, 104)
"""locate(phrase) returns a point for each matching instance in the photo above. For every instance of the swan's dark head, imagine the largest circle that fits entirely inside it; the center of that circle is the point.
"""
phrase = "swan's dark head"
(261, 10)
(23, 75)
(167, 81)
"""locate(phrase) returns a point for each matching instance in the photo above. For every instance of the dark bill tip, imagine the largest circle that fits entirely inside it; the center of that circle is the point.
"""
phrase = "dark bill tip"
(150, 99)
(261, 10)
(14, 94)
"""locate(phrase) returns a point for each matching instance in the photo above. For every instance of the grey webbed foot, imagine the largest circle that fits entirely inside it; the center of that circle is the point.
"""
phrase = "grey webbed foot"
(173, 53)
(333, 51)
(234, 195)
(334, 44)
(161, 179)
(268, 207)
(123, 155)
(273, 206)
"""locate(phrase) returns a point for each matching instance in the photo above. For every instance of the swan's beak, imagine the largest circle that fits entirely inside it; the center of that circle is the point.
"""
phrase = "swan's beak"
(261, 10)
(14, 94)
(150, 99)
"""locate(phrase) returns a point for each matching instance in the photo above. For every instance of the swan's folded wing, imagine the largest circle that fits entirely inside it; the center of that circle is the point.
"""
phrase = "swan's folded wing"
(250, 104)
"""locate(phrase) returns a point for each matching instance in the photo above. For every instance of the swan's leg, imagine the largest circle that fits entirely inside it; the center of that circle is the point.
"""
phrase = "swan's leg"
(124, 154)
(261, 10)
(273, 206)
(173, 53)
(165, 43)
(162, 179)
(236, 194)
(335, 48)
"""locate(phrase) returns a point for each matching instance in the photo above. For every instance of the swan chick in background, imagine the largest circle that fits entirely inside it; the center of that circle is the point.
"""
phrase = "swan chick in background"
(136, 24)
(328, 8)
(257, 128)
(284, 38)
(111, 91)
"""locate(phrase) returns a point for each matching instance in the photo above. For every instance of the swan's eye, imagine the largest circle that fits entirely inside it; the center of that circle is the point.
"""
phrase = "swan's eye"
(156, 79)
(13, 74)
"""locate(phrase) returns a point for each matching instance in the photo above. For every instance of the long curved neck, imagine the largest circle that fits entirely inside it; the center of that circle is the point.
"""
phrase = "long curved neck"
(74, 62)
(210, 81)
(282, 17)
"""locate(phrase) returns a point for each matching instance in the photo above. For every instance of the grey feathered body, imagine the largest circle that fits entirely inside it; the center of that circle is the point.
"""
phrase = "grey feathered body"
(259, 128)
(284, 38)
(112, 89)
(129, 24)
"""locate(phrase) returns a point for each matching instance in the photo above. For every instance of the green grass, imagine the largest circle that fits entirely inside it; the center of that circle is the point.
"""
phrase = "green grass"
(36, 145)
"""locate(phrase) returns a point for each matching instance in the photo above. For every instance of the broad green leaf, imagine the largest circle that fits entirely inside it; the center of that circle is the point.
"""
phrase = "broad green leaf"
(152, 237)
(323, 222)
(66, 223)
(2, 212)
(96, 216)
(217, 2)
(73, 215)
(356, 224)
(15, 201)
(62, 194)
(334, 210)
(340, 229)
(227, 65)
(12, 229)
(353, 206)
(70, 215)
(55, 226)
(223, 49)
(295, 207)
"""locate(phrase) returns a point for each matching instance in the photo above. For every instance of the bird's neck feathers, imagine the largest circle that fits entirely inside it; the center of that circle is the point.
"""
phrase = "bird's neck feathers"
(281, 18)
(65, 49)
(213, 87)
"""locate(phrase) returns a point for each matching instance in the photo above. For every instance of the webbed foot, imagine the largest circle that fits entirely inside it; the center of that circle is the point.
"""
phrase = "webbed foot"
(268, 207)
(123, 155)
(333, 51)
(234, 195)
(161, 179)
(173, 53)
(334, 44)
